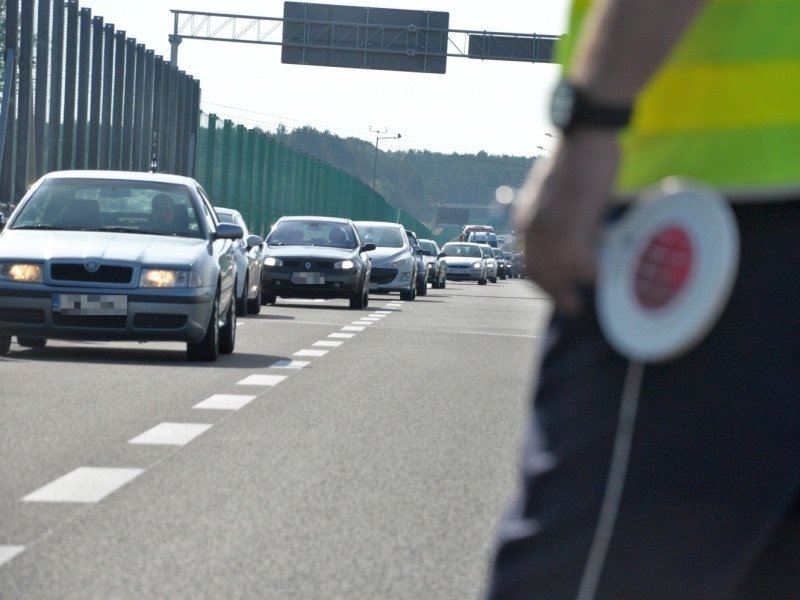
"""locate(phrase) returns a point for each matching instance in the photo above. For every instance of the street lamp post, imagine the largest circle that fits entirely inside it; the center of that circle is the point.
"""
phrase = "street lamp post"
(542, 148)
(378, 137)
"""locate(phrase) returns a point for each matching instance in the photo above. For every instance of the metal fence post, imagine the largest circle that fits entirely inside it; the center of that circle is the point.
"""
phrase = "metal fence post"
(95, 118)
(119, 89)
(42, 67)
(25, 99)
(70, 80)
(155, 128)
(171, 129)
(147, 123)
(138, 110)
(56, 78)
(180, 124)
(195, 113)
(107, 100)
(84, 74)
(127, 118)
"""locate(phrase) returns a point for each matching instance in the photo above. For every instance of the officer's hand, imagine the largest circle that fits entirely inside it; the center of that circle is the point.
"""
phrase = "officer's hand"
(560, 209)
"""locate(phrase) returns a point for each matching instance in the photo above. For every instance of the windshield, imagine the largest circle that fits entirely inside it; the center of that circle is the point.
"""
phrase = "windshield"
(381, 236)
(110, 205)
(487, 251)
(313, 233)
(499, 253)
(465, 250)
(431, 247)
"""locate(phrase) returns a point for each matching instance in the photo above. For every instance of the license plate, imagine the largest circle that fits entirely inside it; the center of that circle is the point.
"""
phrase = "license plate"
(373, 286)
(308, 278)
(90, 304)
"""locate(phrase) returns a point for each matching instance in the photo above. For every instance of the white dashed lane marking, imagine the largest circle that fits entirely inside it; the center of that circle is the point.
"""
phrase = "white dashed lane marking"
(310, 353)
(266, 380)
(225, 402)
(289, 364)
(171, 434)
(343, 336)
(361, 323)
(350, 328)
(84, 485)
(383, 312)
(327, 344)
(9, 552)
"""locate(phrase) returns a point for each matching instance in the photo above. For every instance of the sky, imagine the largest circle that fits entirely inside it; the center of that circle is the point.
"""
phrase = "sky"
(495, 106)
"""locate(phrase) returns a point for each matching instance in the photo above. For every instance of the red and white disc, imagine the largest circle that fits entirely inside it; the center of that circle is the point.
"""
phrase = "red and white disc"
(666, 271)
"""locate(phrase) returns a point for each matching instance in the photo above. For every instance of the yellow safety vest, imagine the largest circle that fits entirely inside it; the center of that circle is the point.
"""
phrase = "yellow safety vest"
(725, 106)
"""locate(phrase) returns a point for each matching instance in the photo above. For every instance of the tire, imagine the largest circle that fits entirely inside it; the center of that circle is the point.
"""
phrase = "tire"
(422, 290)
(5, 344)
(227, 333)
(31, 342)
(435, 283)
(207, 349)
(482, 281)
(241, 303)
(254, 305)
(405, 295)
(268, 300)
(493, 280)
(361, 299)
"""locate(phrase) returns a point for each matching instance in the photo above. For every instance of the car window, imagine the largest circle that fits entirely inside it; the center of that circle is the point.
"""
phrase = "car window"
(224, 217)
(487, 252)
(431, 247)
(382, 236)
(465, 250)
(238, 220)
(208, 211)
(313, 233)
(145, 207)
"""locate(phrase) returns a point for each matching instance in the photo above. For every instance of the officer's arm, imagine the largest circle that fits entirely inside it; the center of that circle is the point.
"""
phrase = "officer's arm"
(622, 45)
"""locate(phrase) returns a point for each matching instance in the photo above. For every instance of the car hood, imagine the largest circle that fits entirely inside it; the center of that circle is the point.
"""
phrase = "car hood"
(107, 246)
(458, 261)
(313, 252)
(383, 255)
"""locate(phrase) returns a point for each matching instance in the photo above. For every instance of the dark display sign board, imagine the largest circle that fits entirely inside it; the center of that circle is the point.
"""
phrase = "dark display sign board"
(512, 47)
(451, 217)
(357, 37)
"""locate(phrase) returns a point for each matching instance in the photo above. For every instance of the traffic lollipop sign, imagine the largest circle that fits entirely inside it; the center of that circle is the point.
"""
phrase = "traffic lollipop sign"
(666, 271)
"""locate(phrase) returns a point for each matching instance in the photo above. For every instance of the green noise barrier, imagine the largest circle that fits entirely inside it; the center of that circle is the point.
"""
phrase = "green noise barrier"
(245, 170)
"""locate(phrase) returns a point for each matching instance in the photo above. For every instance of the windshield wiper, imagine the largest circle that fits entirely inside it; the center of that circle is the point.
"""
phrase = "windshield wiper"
(38, 226)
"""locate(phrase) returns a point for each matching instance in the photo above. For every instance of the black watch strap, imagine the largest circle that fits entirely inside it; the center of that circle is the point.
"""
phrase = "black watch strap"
(573, 109)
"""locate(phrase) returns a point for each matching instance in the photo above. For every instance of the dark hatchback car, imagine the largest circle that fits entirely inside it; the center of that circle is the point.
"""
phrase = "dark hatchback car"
(315, 257)
(437, 267)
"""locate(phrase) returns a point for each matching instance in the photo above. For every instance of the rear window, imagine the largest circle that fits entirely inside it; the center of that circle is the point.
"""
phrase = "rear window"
(110, 205)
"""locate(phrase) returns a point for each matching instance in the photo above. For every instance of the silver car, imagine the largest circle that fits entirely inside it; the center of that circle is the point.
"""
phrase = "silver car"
(249, 257)
(491, 262)
(394, 265)
(105, 255)
(465, 262)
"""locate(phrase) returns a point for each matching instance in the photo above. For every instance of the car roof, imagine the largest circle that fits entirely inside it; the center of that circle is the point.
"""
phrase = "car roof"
(121, 175)
(315, 218)
(466, 244)
(380, 224)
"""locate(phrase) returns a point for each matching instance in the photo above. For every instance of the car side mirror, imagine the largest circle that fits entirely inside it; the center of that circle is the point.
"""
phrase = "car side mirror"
(441, 255)
(418, 251)
(254, 240)
(368, 247)
(229, 231)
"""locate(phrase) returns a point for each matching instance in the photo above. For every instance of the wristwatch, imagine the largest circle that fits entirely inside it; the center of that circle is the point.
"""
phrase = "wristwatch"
(573, 109)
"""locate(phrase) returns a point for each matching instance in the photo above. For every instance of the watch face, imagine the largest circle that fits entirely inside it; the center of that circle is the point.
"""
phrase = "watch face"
(563, 105)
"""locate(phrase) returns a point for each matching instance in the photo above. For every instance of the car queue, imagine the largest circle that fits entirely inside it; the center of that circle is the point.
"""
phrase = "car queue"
(125, 256)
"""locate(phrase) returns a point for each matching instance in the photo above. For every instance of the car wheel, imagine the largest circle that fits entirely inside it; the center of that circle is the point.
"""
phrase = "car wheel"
(254, 305)
(422, 290)
(241, 303)
(227, 333)
(31, 342)
(359, 301)
(412, 293)
(5, 344)
(207, 349)
(482, 281)
(435, 284)
(268, 299)
(493, 280)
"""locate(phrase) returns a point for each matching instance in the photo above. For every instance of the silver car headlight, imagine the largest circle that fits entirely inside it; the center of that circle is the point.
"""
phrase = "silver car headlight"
(345, 265)
(489, 264)
(21, 272)
(271, 261)
(169, 278)
(477, 265)
(398, 263)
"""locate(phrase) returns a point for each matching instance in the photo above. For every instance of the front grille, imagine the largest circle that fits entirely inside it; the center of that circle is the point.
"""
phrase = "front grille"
(78, 272)
(382, 276)
(315, 265)
(24, 316)
(159, 321)
(90, 321)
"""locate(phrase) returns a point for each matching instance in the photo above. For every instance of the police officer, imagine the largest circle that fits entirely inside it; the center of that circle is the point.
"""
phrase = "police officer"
(709, 509)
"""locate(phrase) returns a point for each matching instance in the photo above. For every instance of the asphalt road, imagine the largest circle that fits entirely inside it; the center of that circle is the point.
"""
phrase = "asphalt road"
(377, 470)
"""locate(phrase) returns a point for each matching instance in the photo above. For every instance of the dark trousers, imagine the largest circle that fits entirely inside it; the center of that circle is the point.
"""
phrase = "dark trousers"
(710, 508)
